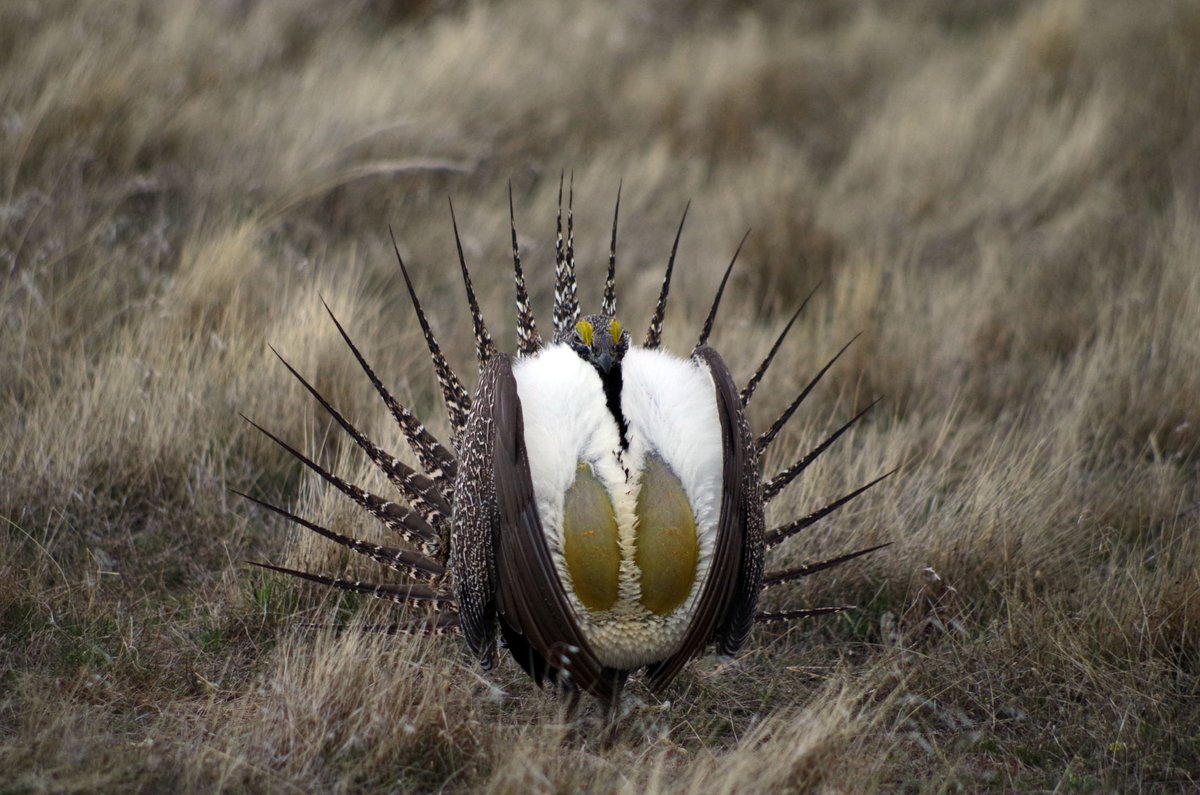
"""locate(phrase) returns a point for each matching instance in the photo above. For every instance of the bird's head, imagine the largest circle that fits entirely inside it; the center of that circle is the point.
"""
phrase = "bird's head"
(599, 340)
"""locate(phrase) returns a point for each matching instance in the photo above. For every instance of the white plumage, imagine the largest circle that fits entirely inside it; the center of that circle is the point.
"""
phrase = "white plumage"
(671, 411)
(566, 421)
(670, 404)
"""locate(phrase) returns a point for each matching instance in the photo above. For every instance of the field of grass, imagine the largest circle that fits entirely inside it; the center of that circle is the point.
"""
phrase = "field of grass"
(1003, 196)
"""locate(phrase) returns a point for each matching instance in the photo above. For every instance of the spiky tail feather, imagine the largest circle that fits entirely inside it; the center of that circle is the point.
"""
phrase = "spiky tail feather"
(417, 488)
(773, 578)
(400, 594)
(712, 312)
(654, 332)
(776, 484)
(573, 283)
(435, 459)
(767, 436)
(414, 565)
(403, 522)
(528, 339)
(457, 401)
(609, 305)
(752, 384)
(566, 299)
(780, 534)
(484, 347)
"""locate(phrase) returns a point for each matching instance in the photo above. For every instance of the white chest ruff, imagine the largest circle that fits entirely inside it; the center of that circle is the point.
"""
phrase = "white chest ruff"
(670, 407)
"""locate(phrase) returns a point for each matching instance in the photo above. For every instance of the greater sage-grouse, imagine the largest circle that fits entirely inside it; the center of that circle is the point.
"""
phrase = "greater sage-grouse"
(600, 503)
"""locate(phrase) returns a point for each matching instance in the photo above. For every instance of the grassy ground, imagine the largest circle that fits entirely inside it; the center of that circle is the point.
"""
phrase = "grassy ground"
(1002, 196)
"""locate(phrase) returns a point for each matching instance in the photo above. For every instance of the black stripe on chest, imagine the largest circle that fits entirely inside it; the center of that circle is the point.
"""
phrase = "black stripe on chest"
(612, 381)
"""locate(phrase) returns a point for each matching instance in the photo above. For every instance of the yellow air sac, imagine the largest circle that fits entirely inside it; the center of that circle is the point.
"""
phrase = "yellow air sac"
(667, 545)
(590, 541)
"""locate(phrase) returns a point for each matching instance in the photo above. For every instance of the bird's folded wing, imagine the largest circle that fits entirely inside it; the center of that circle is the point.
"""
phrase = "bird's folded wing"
(529, 594)
(725, 610)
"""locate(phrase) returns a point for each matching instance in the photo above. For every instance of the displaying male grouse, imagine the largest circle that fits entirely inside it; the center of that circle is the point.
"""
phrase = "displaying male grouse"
(601, 506)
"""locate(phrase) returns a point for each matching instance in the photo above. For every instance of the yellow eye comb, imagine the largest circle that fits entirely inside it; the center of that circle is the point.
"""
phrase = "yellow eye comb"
(585, 331)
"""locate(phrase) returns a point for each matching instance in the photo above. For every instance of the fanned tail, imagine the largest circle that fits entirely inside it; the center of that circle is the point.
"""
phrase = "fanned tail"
(528, 339)
(458, 402)
(712, 312)
(609, 305)
(654, 332)
(424, 523)
(769, 434)
(436, 460)
(776, 484)
(780, 534)
(414, 565)
(773, 578)
(752, 384)
(484, 347)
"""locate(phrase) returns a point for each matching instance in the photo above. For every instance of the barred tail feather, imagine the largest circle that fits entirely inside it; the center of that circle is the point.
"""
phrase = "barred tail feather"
(405, 523)
(560, 267)
(443, 624)
(458, 402)
(417, 488)
(776, 484)
(712, 312)
(566, 299)
(436, 460)
(528, 339)
(654, 332)
(773, 578)
(752, 384)
(609, 305)
(767, 436)
(484, 347)
(780, 534)
(572, 282)
(400, 594)
(416, 566)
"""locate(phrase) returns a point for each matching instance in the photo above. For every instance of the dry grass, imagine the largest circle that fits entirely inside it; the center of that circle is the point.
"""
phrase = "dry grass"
(1002, 195)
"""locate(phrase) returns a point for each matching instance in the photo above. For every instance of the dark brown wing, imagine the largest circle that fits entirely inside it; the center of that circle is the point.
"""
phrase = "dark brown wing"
(725, 610)
(535, 616)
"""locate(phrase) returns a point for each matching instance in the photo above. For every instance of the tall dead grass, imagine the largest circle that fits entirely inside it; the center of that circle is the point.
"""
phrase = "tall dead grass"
(1002, 197)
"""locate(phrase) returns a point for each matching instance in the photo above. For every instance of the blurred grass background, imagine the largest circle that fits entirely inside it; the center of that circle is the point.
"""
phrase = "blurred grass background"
(1002, 195)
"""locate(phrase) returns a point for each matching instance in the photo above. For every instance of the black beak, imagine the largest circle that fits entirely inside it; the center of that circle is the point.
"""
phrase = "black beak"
(604, 361)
